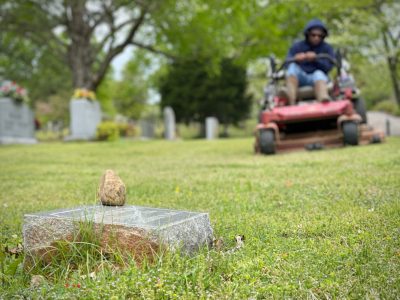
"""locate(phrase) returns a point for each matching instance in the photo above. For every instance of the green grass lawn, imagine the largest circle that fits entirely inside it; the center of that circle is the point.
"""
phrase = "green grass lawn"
(318, 225)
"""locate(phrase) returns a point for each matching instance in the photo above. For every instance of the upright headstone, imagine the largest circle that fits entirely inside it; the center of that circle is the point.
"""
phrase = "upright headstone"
(169, 123)
(16, 122)
(85, 116)
(211, 128)
(385, 122)
(147, 128)
(135, 229)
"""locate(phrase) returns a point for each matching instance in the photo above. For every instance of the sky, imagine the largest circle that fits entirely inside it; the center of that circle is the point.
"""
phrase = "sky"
(119, 62)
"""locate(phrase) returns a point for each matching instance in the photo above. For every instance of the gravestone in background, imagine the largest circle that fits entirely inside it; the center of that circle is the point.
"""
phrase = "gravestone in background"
(16, 123)
(138, 230)
(212, 130)
(169, 123)
(85, 116)
(147, 128)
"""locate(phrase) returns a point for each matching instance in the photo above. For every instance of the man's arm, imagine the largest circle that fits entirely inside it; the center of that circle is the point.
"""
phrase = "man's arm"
(296, 53)
(324, 64)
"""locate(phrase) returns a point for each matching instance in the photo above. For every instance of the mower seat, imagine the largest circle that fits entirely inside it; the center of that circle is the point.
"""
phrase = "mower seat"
(305, 92)
(308, 93)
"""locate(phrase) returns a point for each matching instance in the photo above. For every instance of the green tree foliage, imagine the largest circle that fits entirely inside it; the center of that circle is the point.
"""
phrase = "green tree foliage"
(194, 93)
(131, 92)
(86, 35)
(33, 66)
(183, 88)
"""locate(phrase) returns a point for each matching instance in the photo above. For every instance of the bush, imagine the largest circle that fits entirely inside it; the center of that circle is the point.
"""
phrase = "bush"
(107, 131)
(388, 107)
(126, 129)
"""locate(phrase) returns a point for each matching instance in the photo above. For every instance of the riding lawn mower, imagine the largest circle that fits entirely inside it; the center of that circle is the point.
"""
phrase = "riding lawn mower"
(310, 124)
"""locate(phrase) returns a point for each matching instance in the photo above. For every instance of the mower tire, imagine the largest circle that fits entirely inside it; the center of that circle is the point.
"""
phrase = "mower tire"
(359, 106)
(350, 133)
(267, 141)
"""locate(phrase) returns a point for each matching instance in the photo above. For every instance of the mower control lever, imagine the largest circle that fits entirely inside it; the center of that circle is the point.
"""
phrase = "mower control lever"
(319, 56)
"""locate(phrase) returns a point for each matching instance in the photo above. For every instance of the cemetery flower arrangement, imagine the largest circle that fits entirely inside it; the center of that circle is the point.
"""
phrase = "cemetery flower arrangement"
(12, 90)
(84, 93)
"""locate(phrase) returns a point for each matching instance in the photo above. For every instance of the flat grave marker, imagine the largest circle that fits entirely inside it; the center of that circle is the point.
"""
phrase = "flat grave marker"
(157, 227)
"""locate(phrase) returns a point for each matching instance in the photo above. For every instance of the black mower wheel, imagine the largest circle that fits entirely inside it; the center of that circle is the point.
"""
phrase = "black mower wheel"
(359, 106)
(350, 133)
(267, 142)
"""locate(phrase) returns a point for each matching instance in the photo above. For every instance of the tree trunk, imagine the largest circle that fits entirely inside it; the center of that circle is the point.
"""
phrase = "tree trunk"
(225, 131)
(79, 51)
(392, 64)
(80, 64)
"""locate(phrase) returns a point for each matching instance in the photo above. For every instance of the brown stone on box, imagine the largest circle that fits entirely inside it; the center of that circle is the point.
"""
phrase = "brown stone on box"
(112, 190)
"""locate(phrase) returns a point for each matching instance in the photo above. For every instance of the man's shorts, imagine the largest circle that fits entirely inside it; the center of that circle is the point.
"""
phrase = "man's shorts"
(305, 78)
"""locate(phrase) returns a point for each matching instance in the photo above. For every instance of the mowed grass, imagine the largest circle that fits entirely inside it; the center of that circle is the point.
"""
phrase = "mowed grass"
(318, 225)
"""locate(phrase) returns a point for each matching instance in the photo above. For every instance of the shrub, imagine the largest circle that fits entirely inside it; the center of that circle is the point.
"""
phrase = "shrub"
(388, 106)
(126, 129)
(107, 131)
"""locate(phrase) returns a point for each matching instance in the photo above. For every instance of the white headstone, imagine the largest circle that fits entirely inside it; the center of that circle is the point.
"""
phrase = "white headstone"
(169, 123)
(16, 123)
(211, 128)
(147, 128)
(85, 116)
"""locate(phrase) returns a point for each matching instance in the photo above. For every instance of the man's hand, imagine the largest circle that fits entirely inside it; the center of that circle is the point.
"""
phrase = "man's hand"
(310, 56)
(300, 56)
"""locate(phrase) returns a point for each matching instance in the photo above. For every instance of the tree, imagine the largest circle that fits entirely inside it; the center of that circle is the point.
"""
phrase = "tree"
(227, 99)
(32, 66)
(386, 12)
(184, 86)
(88, 34)
(131, 92)
(194, 93)
(85, 34)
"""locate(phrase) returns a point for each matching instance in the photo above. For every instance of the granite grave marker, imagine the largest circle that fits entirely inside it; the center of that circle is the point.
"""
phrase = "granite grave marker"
(211, 128)
(16, 122)
(136, 228)
(85, 116)
(147, 128)
(169, 123)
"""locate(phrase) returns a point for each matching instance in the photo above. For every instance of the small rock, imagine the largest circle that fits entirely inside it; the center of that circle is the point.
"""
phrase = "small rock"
(239, 241)
(15, 251)
(218, 244)
(37, 281)
(111, 190)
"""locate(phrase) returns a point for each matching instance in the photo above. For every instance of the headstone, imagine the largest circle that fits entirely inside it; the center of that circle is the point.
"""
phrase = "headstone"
(136, 229)
(169, 123)
(85, 116)
(211, 128)
(16, 123)
(147, 128)
(385, 122)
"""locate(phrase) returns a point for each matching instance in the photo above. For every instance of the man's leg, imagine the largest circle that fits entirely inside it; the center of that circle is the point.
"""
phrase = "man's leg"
(292, 82)
(320, 80)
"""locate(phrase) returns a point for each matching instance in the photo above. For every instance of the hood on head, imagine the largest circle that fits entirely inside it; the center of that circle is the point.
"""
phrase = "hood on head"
(315, 23)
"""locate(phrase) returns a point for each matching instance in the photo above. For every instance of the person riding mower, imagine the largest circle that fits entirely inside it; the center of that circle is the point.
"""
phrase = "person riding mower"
(314, 120)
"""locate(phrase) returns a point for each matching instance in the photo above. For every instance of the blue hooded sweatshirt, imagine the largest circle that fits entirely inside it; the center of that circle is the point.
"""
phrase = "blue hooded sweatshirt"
(304, 46)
